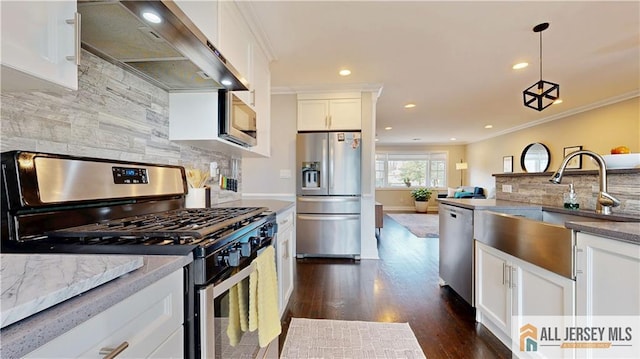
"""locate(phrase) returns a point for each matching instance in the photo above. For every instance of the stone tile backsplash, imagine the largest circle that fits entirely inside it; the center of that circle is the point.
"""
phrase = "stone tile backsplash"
(537, 189)
(114, 114)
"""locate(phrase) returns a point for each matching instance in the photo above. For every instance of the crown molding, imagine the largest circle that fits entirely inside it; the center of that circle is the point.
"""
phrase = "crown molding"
(308, 89)
(558, 116)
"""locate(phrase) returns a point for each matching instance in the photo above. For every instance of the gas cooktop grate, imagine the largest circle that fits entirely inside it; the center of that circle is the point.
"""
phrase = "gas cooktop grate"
(176, 227)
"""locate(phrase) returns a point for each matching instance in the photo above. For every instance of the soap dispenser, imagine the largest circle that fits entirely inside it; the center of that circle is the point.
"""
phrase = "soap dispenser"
(571, 199)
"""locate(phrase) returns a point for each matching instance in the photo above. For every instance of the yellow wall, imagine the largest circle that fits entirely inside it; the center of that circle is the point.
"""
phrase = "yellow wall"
(597, 130)
(400, 198)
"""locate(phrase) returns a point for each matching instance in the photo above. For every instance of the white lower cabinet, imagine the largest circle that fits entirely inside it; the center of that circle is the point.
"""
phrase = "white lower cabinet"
(150, 322)
(508, 288)
(284, 246)
(607, 276)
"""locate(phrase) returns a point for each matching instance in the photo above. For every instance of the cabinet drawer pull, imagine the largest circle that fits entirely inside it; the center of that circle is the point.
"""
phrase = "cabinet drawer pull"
(503, 269)
(76, 38)
(110, 353)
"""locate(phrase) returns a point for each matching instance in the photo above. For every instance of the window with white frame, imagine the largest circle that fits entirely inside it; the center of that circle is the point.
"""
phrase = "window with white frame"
(394, 169)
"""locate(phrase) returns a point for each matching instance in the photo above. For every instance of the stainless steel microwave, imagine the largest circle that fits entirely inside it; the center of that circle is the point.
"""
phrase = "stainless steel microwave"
(236, 120)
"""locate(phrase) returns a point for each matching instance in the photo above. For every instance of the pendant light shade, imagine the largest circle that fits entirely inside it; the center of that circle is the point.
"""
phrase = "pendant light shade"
(541, 94)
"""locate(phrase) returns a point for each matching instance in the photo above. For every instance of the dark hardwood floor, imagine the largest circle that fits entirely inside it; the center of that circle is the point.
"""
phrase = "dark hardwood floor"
(400, 287)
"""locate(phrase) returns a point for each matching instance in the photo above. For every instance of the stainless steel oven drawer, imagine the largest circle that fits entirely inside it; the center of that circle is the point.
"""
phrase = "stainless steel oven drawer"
(328, 235)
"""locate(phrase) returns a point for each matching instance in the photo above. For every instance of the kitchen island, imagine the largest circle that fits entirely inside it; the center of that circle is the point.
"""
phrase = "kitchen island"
(23, 337)
(505, 242)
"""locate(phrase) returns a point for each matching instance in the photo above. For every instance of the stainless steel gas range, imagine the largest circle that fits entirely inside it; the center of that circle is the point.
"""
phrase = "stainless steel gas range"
(63, 204)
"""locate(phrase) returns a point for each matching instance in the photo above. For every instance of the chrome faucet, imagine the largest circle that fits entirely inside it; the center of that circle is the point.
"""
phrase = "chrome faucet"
(605, 200)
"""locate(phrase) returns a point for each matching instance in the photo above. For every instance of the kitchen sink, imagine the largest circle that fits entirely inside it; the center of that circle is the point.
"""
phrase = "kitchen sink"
(539, 238)
(547, 245)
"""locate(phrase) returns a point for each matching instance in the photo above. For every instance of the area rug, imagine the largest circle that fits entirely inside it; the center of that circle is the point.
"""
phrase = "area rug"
(422, 225)
(333, 339)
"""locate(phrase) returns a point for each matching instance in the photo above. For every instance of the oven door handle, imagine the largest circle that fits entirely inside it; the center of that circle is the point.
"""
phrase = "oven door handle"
(233, 280)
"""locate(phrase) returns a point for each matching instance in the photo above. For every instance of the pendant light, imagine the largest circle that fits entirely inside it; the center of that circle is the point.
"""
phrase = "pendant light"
(543, 93)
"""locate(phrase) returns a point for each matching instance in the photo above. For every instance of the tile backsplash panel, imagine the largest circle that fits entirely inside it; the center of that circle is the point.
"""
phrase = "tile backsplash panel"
(536, 188)
(114, 114)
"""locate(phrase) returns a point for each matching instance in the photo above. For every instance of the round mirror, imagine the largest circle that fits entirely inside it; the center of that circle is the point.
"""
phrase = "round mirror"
(535, 158)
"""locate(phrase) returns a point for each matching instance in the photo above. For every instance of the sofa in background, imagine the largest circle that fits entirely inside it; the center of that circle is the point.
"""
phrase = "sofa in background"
(463, 192)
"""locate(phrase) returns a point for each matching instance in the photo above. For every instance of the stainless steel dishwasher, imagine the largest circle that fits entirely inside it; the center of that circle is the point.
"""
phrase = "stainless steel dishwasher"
(456, 250)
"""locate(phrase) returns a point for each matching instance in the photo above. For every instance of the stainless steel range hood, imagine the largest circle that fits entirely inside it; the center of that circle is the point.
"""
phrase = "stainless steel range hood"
(172, 54)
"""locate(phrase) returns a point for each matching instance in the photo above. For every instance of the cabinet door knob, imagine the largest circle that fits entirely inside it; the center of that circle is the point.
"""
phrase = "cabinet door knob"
(110, 353)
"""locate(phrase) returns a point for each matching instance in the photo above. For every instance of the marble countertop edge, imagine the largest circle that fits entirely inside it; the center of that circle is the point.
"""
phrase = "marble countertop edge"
(21, 338)
(46, 299)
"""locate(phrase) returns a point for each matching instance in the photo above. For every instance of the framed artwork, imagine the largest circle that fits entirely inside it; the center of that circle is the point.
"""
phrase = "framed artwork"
(576, 162)
(507, 164)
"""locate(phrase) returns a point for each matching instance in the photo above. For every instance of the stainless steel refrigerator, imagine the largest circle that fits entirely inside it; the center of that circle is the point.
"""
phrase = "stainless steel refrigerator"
(328, 189)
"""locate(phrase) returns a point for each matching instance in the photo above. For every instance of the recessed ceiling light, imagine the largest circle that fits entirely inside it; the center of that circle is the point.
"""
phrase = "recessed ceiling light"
(226, 82)
(345, 72)
(376, 140)
(388, 128)
(410, 105)
(152, 17)
(520, 65)
(453, 138)
(488, 126)
(557, 101)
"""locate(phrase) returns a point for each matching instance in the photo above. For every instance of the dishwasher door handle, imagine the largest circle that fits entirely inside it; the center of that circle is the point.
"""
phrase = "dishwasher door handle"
(453, 215)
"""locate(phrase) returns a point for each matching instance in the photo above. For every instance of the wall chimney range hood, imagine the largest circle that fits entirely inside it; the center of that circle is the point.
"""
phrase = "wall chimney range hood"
(172, 53)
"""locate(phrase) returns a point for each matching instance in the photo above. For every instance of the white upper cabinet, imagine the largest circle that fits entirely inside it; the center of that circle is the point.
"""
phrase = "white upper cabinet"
(40, 45)
(322, 114)
(194, 116)
(261, 96)
(203, 14)
(236, 43)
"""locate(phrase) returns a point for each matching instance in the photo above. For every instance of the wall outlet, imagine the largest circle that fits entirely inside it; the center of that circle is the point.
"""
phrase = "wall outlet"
(285, 173)
(506, 188)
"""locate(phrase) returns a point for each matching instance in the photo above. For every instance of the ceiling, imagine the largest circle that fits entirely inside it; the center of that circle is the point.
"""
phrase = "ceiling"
(453, 59)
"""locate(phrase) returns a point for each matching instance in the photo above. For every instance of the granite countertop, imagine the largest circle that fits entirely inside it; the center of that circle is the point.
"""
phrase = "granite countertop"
(622, 231)
(32, 332)
(481, 203)
(274, 205)
(615, 226)
(35, 282)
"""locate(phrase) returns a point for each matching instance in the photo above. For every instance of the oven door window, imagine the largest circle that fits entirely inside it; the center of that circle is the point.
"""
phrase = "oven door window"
(231, 320)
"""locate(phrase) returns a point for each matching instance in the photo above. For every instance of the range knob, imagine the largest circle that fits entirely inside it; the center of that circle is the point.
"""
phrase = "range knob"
(229, 257)
(233, 258)
(245, 249)
(255, 241)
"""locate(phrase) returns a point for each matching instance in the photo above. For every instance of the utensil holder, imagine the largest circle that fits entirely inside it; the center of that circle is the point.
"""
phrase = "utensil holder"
(196, 198)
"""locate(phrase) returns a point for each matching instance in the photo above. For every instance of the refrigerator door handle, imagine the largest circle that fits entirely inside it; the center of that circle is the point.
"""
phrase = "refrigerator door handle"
(331, 163)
